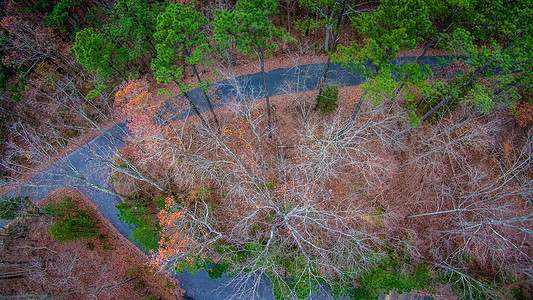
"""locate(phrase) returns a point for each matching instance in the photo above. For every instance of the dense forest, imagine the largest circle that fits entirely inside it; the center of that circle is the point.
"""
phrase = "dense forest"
(418, 179)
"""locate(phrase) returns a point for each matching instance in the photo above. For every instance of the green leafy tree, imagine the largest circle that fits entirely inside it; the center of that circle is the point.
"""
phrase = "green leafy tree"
(504, 45)
(122, 46)
(59, 14)
(181, 36)
(250, 27)
(167, 66)
(68, 16)
(496, 37)
(133, 24)
(437, 11)
(96, 53)
(394, 26)
(8, 87)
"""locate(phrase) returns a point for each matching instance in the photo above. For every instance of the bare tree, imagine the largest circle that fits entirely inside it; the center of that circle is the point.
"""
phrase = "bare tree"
(29, 45)
(248, 209)
(485, 204)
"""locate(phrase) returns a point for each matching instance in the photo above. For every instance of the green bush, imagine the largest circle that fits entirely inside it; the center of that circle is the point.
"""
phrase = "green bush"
(388, 276)
(304, 278)
(90, 246)
(218, 269)
(139, 286)
(147, 236)
(326, 101)
(132, 214)
(146, 232)
(194, 264)
(70, 223)
(10, 207)
(161, 202)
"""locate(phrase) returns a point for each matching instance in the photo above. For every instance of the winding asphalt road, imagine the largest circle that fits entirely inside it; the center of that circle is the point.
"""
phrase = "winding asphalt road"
(87, 170)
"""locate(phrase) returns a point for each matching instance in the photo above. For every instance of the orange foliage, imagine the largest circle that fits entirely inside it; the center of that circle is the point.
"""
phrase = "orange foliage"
(173, 242)
(133, 99)
(238, 132)
(135, 103)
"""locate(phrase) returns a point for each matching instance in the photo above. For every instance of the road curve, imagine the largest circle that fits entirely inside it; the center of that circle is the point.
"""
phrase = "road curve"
(85, 169)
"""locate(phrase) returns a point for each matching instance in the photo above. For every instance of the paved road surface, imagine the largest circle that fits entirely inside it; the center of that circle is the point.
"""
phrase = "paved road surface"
(82, 169)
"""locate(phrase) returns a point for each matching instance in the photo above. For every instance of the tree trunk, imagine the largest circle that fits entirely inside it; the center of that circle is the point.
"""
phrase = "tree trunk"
(192, 104)
(322, 81)
(206, 96)
(288, 17)
(354, 114)
(419, 59)
(358, 106)
(452, 14)
(309, 16)
(316, 30)
(262, 61)
(447, 99)
(363, 96)
(326, 42)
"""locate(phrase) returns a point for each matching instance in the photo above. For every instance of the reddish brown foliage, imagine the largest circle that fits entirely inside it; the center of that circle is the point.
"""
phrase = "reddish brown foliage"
(524, 114)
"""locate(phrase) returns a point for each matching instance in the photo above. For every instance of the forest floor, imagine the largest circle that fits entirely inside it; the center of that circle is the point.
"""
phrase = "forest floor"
(417, 172)
(34, 263)
(288, 117)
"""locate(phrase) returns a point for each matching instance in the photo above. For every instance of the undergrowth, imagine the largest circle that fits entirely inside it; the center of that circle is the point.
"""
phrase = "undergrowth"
(146, 231)
(70, 223)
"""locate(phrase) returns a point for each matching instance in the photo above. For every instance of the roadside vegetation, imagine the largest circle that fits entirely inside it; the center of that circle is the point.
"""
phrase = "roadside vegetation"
(59, 249)
(418, 180)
